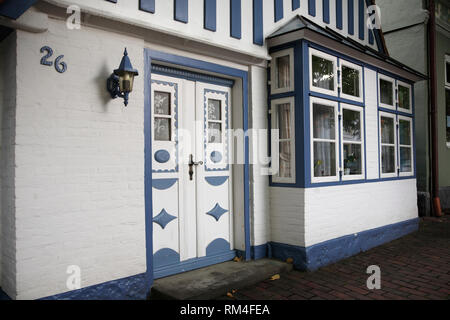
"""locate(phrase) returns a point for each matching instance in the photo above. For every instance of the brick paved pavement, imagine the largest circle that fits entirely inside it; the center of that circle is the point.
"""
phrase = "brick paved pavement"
(416, 266)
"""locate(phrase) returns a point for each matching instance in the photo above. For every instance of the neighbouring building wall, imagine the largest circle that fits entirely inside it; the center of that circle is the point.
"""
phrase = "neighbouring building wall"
(79, 162)
(404, 24)
(260, 180)
(442, 48)
(7, 164)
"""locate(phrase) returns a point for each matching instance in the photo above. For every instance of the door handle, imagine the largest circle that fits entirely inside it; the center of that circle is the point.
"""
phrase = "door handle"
(191, 164)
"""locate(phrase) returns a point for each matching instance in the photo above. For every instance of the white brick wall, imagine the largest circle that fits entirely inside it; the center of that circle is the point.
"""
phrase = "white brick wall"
(335, 211)
(260, 224)
(370, 79)
(79, 162)
(287, 215)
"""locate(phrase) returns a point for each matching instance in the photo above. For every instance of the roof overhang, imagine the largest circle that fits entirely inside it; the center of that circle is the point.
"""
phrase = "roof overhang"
(13, 9)
(344, 45)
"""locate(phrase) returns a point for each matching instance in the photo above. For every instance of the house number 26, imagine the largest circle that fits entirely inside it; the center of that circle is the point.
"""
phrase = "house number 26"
(60, 66)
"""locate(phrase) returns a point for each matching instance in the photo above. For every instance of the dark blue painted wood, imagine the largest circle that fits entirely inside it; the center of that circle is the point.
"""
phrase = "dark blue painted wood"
(278, 9)
(339, 14)
(351, 17)
(113, 1)
(181, 9)
(295, 4)
(258, 33)
(15, 8)
(370, 36)
(326, 11)
(236, 19)
(210, 15)
(163, 184)
(162, 156)
(194, 263)
(216, 181)
(312, 7)
(217, 246)
(164, 257)
(147, 5)
(148, 192)
(361, 24)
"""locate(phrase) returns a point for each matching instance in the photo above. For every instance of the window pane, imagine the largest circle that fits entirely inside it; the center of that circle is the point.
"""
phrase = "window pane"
(162, 129)
(214, 132)
(447, 64)
(386, 92)
(405, 132)
(447, 102)
(351, 125)
(283, 72)
(350, 81)
(324, 159)
(162, 102)
(387, 130)
(405, 159)
(285, 159)
(322, 73)
(284, 120)
(403, 97)
(323, 122)
(214, 109)
(388, 159)
(352, 159)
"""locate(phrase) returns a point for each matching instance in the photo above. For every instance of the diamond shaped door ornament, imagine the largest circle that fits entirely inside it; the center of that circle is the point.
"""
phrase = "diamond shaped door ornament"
(217, 212)
(163, 218)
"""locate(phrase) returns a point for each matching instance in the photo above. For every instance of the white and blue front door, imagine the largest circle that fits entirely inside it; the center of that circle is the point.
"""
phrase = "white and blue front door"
(192, 205)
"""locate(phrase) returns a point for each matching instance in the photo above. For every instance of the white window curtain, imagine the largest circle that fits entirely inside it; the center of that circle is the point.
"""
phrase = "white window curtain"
(283, 72)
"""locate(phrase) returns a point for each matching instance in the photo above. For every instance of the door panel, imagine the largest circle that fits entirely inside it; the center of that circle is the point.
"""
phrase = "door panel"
(192, 216)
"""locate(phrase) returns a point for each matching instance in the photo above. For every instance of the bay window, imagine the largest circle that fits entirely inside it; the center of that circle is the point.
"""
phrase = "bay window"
(352, 142)
(283, 144)
(323, 72)
(324, 133)
(282, 71)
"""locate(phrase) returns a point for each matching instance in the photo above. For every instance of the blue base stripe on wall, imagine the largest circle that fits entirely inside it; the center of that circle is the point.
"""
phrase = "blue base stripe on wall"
(278, 10)
(181, 10)
(327, 252)
(326, 11)
(295, 4)
(147, 5)
(258, 36)
(339, 14)
(351, 17)
(130, 288)
(235, 18)
(210, 12)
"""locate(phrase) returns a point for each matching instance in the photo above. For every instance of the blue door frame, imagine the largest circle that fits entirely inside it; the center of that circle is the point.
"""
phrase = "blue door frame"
(180, 61)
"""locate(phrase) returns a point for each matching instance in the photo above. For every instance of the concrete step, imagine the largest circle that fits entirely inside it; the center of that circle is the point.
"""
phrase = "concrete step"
(215, 281)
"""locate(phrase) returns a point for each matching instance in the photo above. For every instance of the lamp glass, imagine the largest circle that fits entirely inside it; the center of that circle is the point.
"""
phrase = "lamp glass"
(126, 82)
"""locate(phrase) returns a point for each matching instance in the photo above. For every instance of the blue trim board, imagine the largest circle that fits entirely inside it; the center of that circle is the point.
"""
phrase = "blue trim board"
(210, 14)
(13, 9)
(148, 192)
(326, 11)
(181, 10)
(361, 23)
(350, 17)
(4, 296)
(339, 14)
(235, 19)
(295, 4)
(258, 24)
(278, 10)
(327, 252)
(129, 288)
(242, 76)
(147, 5)
(312, 7)
(192, 264)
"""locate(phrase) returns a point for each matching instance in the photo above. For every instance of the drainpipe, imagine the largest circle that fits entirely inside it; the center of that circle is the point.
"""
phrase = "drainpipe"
(433, 111)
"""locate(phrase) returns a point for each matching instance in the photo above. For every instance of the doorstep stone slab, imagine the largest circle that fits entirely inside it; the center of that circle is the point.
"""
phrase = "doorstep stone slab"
(216, 280)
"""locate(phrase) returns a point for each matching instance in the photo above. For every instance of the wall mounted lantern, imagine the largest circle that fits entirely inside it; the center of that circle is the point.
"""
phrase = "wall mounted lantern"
(120, 83)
